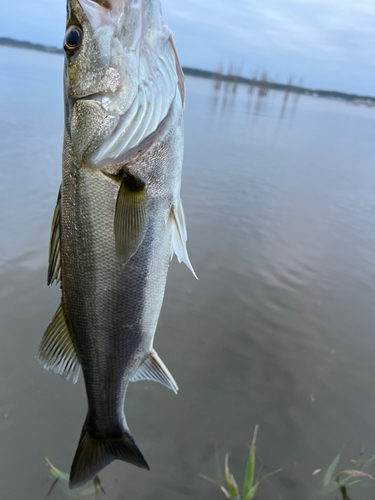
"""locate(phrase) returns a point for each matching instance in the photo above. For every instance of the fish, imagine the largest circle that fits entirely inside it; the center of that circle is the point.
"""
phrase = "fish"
(118, 219)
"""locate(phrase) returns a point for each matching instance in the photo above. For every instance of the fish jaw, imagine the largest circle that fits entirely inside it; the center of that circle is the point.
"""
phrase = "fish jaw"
(128, 66)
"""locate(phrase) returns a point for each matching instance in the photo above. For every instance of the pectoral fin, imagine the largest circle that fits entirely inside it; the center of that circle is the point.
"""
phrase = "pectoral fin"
(180, 236)
(154, 369)
(56, 352)
(54, 266)
(130, 216)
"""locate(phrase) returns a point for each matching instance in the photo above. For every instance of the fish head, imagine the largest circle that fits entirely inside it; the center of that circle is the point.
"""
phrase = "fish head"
(100, 65)
(113, 49)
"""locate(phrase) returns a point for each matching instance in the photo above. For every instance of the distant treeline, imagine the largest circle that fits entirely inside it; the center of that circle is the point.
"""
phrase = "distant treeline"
(276, 86)
(212, 75)
(10, 42)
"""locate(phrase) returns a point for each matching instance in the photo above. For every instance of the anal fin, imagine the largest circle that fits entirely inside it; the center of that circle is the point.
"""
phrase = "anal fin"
(54, 266)
(154, 369)
(130, 217)
(56, 352)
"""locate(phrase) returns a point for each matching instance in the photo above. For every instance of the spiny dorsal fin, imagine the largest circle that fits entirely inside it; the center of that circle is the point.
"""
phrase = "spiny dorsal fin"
(54, 266)
(154, 369)
(56, 352)
(180, 236)
(130, 216)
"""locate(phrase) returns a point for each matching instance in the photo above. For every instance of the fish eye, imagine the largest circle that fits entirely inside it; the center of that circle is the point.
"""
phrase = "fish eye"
(73, 39)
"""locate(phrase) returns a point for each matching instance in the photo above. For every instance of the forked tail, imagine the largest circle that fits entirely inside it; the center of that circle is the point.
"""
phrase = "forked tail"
(93, 455)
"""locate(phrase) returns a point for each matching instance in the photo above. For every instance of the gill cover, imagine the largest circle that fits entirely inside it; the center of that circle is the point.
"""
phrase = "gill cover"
(123, 79)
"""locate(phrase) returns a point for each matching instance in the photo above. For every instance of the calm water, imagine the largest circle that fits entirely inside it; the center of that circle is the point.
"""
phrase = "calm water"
(278, 331)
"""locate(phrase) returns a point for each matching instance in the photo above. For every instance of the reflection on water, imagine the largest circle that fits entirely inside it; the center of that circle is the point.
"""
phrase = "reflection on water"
(259, 91)
(278, 331)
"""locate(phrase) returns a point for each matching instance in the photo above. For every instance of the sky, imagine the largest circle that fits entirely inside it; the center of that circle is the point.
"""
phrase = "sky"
(326, 44)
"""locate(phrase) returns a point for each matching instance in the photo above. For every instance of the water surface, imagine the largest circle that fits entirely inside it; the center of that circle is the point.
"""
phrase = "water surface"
(278, 331)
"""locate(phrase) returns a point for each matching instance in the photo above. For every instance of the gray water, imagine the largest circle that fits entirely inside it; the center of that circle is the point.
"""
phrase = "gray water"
(278, 331)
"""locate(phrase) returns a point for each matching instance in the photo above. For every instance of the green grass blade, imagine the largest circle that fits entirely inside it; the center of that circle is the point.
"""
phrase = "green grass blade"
(228, 496)
(367, 464)
(331, 470)
(253, 491)
(209, 479)
(330, 488)
(231, 483)
(56, 473)
(248, 483)
(98, 485)
(61, 480)
(219, 474)
(268, 475)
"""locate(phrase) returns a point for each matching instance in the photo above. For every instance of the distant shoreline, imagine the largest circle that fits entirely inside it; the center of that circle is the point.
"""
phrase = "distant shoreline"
(218, 77)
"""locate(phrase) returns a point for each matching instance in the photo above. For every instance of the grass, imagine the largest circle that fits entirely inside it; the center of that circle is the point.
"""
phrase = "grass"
(334, 481)
(61, 479)
(252, 479)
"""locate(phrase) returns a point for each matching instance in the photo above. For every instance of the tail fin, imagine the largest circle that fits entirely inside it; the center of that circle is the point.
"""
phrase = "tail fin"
(93, 455)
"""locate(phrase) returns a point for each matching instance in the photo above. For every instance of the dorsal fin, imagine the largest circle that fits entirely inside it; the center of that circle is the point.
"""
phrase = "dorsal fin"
(54, 266)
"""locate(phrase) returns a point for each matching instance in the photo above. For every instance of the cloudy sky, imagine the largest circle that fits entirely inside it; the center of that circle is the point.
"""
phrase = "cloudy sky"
(330, 44)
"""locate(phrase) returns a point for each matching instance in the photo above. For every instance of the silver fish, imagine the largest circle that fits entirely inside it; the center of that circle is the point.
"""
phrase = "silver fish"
(118, 219)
